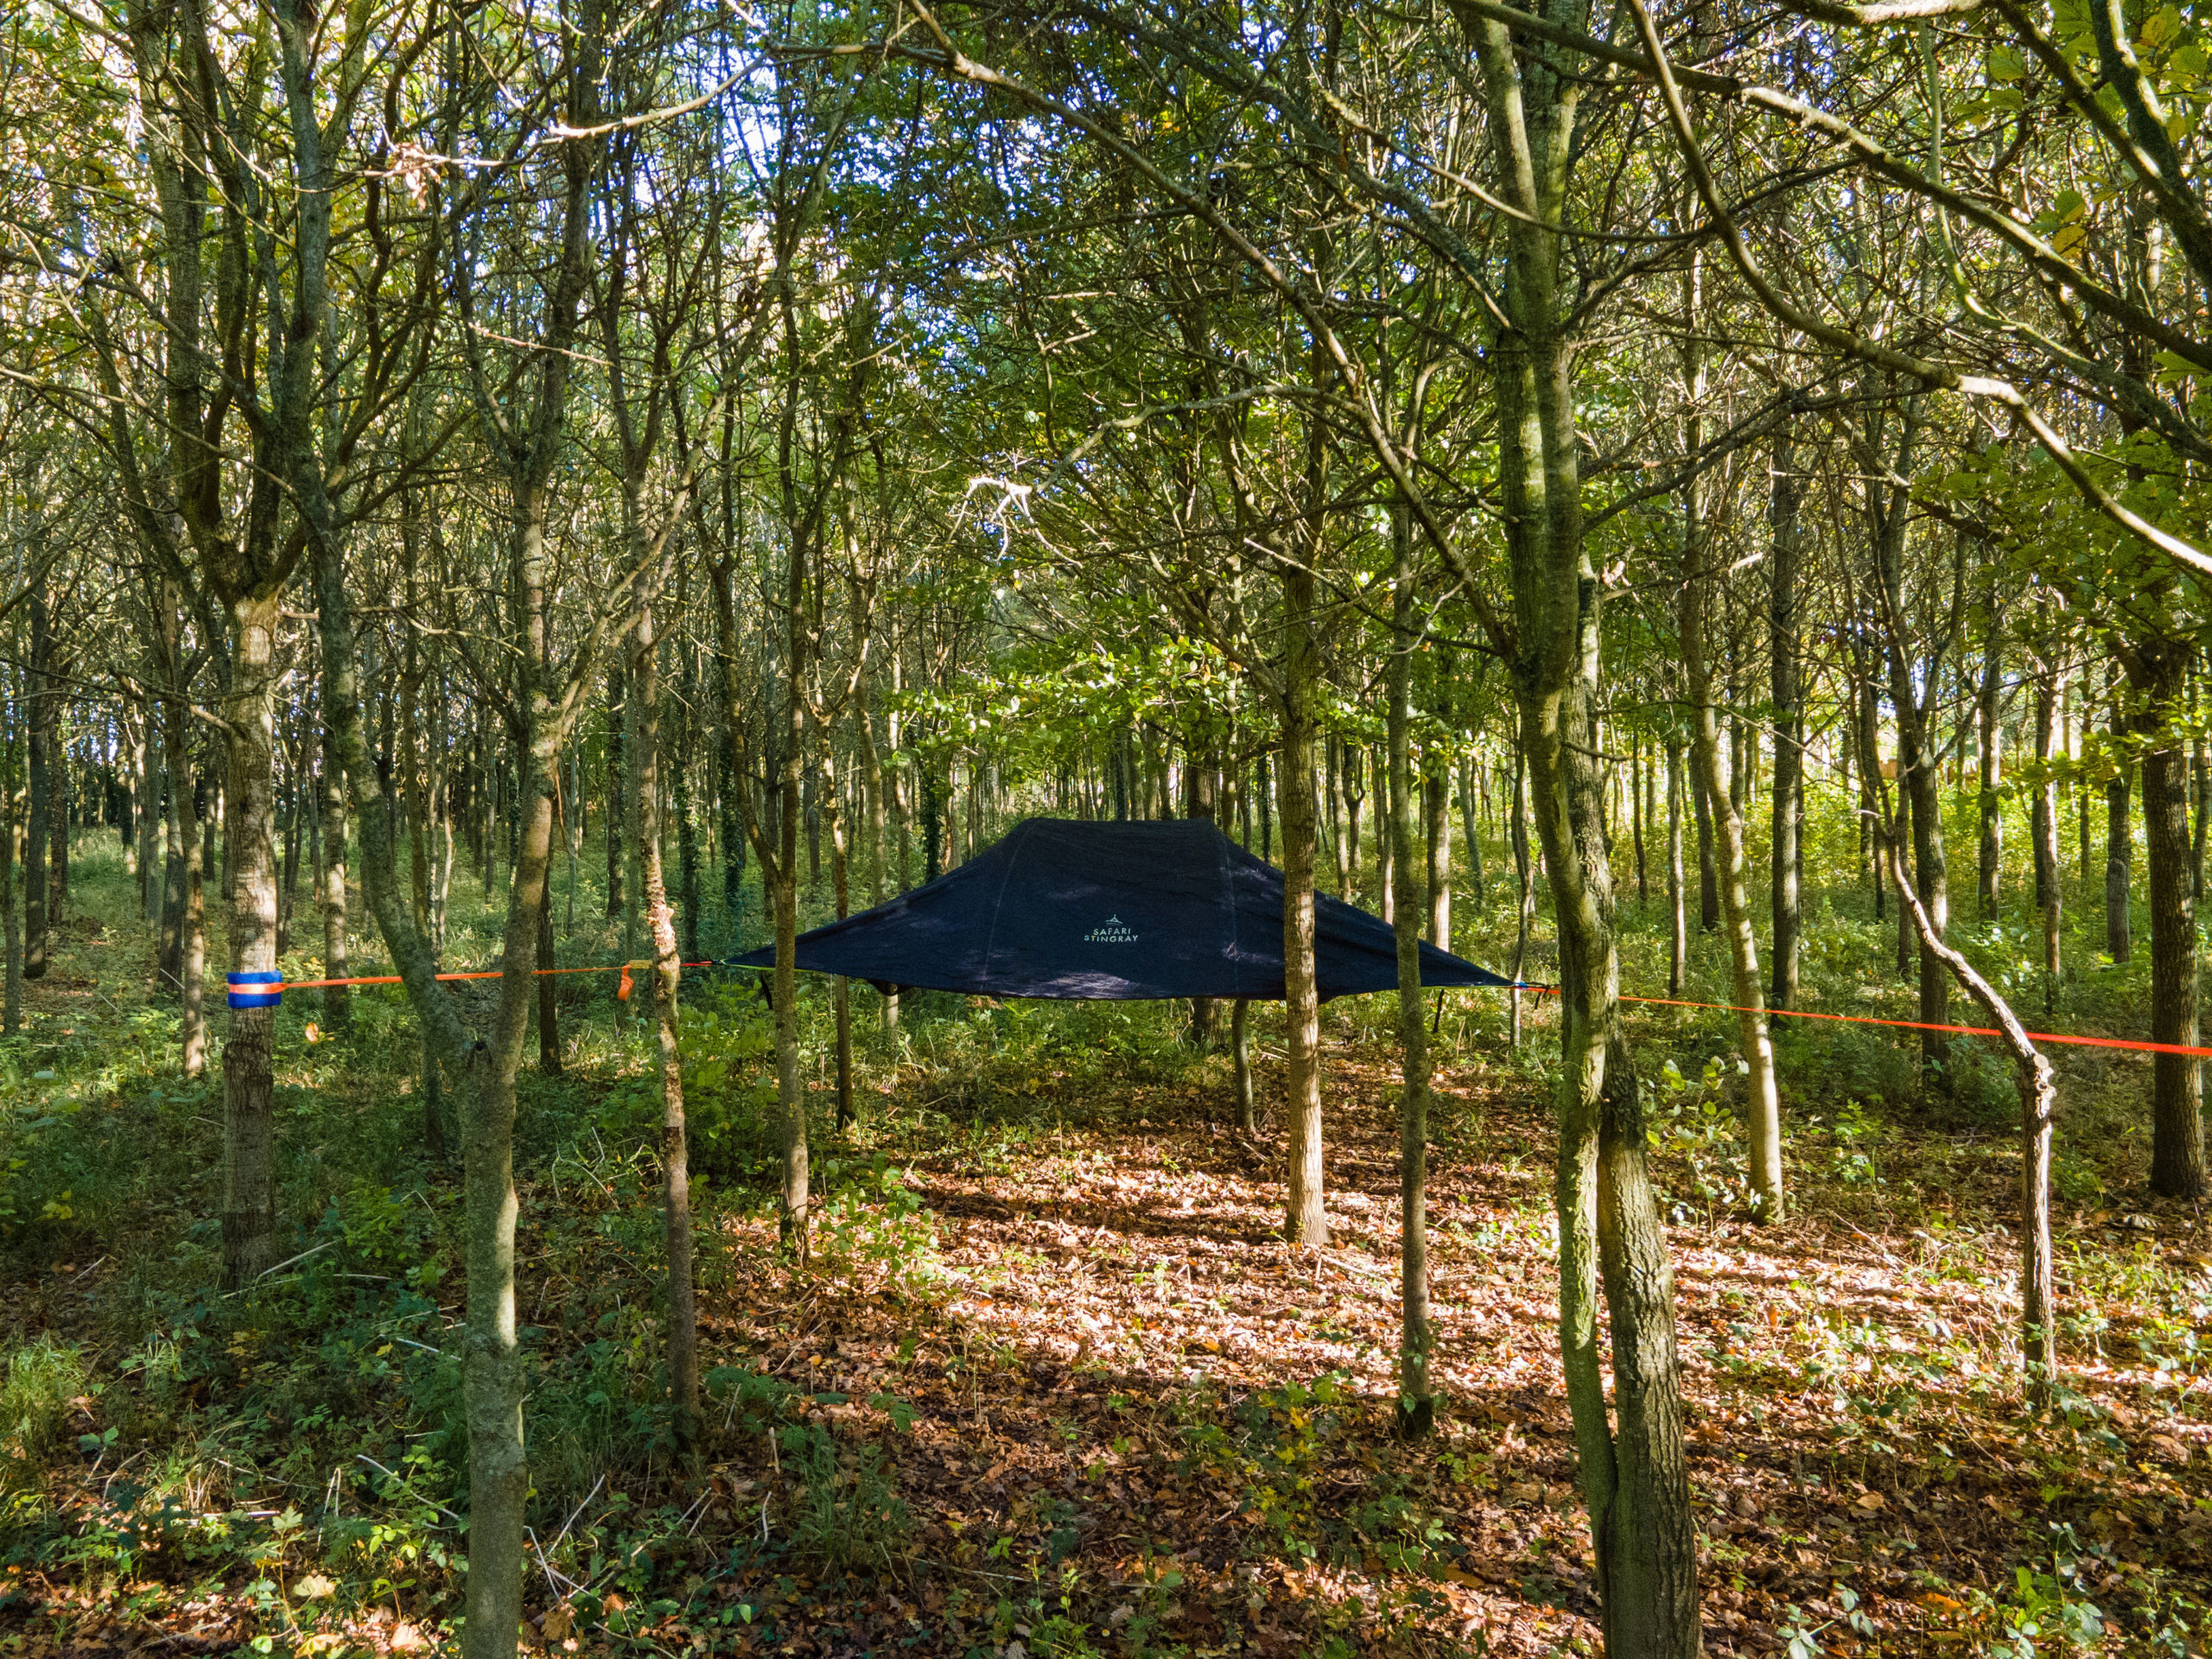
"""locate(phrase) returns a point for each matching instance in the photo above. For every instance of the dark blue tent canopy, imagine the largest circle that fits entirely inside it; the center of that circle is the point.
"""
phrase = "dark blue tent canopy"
(1113, 912)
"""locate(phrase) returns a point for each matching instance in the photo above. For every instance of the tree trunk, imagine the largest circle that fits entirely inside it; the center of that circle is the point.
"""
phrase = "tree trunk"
(618, 784)
(2177, 1080)
(1678, 946)
(833, 806)
(150, 790)
(2038, 1091)
(2200, 774)
(36, 943)
(337, 1003)
(1763, 1105)
(248, 1051)
(2049, 897)
(668, 974)
(1248, 1117)
(687, 826)
(1632, 1463)
(1708, 879)
(1307, 1222)
(1386, 853)
(1199, 802)
(1524, 876)
(548, 1001)
(1787, 491)
(11, 998)
(2120, 853)
(1989, 732)
(192, 926)
(1436, 800)
(1416, 1340)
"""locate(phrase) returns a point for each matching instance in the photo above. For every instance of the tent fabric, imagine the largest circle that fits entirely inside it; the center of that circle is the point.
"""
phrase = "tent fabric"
(1119, 912)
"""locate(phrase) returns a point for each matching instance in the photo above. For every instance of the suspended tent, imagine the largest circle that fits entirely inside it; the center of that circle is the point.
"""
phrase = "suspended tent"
(1117, 913)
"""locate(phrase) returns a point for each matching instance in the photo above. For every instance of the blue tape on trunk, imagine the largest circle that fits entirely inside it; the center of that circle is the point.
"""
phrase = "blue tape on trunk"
(256, 990)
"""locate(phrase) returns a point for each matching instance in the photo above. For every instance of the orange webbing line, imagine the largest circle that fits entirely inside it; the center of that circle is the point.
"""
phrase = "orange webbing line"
(485, 973)
(1910, 1025)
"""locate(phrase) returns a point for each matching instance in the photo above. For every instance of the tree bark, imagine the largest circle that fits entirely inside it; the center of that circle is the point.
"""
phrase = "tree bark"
(150, 790)
(1762, 1102)
(1416, 1340)
(668, 974)
(192, 923)
(1786, 492)
(833, 806)
(1240, 1048)
(2177, 1080)
(1436, 800)
(1708, 879)
(11, 997)
(2038, 1090)
(1678, 943)
(1989, 732)
(618, 784)
(337, 1000)
(1307, 1221)
(1524, 876)
(36, 941)
(2049, 898)
(2119, 851)
(248, 1051)
(1634, 1475)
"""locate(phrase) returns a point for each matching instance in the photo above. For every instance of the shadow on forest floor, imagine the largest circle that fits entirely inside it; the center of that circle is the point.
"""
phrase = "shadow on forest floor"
(1054, 1386)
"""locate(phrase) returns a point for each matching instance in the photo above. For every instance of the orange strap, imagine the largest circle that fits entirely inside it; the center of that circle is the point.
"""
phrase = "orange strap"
(1907, 1025)
(622, 991)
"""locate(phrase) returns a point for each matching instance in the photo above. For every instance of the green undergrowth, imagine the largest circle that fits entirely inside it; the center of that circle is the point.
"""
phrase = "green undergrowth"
(160, 1440)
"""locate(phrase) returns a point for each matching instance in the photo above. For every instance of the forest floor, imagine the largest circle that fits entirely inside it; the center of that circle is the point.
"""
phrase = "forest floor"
(1052, 1384)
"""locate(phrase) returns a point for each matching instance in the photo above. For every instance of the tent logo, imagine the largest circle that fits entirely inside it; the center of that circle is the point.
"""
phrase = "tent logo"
(1112, 931)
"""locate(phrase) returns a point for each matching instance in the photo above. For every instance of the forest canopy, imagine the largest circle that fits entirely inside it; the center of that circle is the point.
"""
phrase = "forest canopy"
(508, 508)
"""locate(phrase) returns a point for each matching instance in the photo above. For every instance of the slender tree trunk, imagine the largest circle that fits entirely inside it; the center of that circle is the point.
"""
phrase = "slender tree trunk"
(192, 927)
(2177, 1080)
(1867, 716)
(1678, 946)
(1436, 800)
(177, 765)
(248, 1051)
(548, 1001)
(2200, 774)
(1386, 856)
(618, 786)
(1708, 879)
(833, 806)
(1631, 1459)
(1524, 876)
(2120, 853)
(1763, 1112)
(687, 825)
(150, 790)
(36, 945)
(1989, 732)
(1248, 1117)
(337, 1003)
(2038, 1090)
(668, 974)
(1307, 1221)
(11, 1000)
(1637, 795)
(1199, 802)
(1416, 1340)
(1787, 491)
(2049, 897)
(1470, 831)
